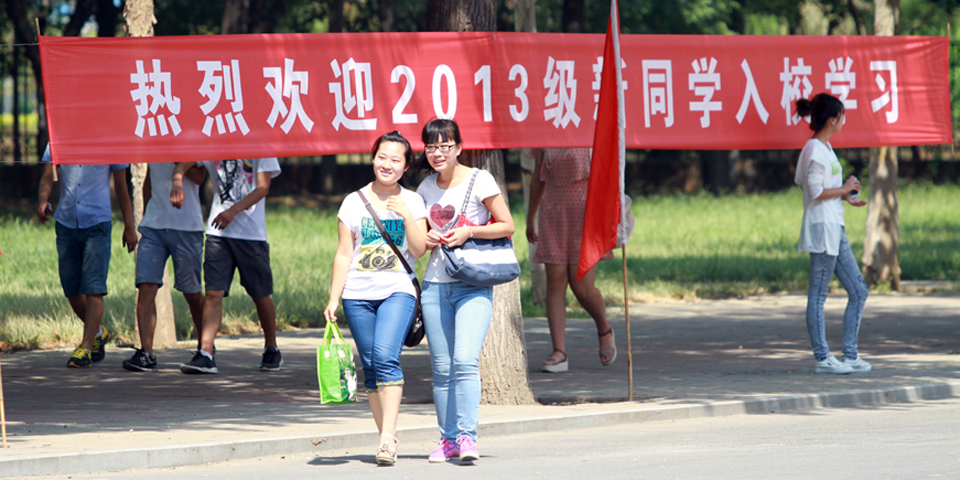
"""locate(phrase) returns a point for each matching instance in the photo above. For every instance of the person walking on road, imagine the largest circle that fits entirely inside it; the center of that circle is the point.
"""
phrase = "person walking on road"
(236, 242)
(823, 235)
(456, 316)
(379, 300)
(167, 232)
(84, 224)
(558, 191)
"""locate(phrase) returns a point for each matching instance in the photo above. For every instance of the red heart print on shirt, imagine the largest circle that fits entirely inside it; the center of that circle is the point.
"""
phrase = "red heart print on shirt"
(442, 215)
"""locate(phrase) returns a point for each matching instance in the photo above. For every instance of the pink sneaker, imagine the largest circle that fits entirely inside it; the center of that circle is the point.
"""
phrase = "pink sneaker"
(468, 450)
(446, 450)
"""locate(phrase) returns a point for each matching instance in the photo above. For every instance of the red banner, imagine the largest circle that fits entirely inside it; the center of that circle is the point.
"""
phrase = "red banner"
(242, 96)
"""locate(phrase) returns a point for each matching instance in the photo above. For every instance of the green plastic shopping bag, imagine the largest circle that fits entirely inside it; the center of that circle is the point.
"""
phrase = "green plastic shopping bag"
(335, 371)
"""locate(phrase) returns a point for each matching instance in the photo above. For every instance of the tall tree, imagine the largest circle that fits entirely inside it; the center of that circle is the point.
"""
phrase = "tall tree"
(881, 245)
(503, 360)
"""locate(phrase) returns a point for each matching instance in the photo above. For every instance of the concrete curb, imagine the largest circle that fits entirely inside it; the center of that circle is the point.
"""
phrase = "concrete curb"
(193, 454)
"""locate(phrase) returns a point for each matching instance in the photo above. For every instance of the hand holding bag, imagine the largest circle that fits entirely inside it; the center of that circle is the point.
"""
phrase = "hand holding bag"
(480, 262)
(416, 333)
(335, 371)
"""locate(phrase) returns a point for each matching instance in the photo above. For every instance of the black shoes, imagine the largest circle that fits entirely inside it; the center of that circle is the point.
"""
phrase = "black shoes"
(141, 361)
(199, 364)
(271, 360)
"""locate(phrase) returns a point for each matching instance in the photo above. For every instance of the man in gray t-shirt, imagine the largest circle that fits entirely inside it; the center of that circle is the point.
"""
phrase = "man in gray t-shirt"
(167, 232)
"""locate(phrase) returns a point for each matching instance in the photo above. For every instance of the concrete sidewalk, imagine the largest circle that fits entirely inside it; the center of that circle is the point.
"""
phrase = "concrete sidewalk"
(691, 360)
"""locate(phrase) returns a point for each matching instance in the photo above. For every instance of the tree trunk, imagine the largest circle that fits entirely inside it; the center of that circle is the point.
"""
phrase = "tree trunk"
(881, 245)
(139, 18)
(503, 360)
(525, 16)
(235, 17)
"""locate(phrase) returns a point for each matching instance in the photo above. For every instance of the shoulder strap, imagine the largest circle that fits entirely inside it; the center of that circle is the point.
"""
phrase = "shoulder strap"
(466, 198)
(383, 231)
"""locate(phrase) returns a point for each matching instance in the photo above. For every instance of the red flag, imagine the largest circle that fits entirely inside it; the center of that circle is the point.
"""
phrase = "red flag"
(603, 211)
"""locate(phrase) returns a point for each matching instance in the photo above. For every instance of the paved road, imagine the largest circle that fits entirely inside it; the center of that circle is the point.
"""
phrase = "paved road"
(915, 441)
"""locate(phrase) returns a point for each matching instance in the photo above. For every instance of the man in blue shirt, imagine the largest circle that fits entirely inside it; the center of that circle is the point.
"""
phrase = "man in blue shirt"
(83, 224)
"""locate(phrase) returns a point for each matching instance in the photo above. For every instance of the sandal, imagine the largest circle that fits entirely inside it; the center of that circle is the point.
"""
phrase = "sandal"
(387, 455)
(608, 352)
(555, 366)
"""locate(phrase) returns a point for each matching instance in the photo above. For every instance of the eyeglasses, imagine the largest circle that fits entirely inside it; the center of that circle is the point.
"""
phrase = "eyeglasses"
(442, 148)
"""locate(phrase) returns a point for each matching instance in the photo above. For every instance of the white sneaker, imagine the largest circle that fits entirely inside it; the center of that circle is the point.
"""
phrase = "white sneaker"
(832, 365)
(858, 365)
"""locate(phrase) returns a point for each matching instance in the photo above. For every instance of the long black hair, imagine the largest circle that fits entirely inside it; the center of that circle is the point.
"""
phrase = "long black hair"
(821, 109)
(395, 137)
(436, 130)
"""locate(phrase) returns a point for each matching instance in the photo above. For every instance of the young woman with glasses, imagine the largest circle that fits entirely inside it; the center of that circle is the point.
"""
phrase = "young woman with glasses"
(456, 315)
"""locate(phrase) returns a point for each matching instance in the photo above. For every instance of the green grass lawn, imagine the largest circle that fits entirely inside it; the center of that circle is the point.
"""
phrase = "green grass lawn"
(684, 247)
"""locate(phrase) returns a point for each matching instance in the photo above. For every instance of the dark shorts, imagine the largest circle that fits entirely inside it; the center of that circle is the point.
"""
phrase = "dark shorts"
(157, 245)
(251, 258)
(84, 258)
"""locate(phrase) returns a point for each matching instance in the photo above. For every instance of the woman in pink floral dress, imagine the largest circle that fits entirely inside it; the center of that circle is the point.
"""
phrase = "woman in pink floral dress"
(559, 192)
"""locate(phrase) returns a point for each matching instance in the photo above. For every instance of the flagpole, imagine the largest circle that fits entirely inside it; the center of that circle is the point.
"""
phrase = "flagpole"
(3, 415)
(626, 314)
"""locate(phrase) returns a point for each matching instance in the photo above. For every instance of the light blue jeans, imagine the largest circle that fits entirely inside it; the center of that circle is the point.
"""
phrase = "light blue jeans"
(822, 269)
(456, 317)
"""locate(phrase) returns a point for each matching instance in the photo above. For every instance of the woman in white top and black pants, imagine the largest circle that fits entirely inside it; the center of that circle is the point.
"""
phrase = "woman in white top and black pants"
(823, 235)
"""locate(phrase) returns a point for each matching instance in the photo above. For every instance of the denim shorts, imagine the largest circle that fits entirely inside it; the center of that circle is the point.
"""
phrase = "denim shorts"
(379, 328)
(157, 245)
(84, 257)
(251, 258)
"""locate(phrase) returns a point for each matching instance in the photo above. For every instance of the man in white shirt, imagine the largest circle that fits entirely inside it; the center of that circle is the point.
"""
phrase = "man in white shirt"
(236, 241)
(167, 232)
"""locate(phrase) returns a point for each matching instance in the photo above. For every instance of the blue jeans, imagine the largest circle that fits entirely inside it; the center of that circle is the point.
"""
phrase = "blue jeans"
(84, 258)
(456, 317)
(822, 269)
(379, 328)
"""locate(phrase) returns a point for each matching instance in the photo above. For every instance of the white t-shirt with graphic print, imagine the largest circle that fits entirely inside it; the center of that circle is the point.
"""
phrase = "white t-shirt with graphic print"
(375, 271)
(232, 181)
(443, 207)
